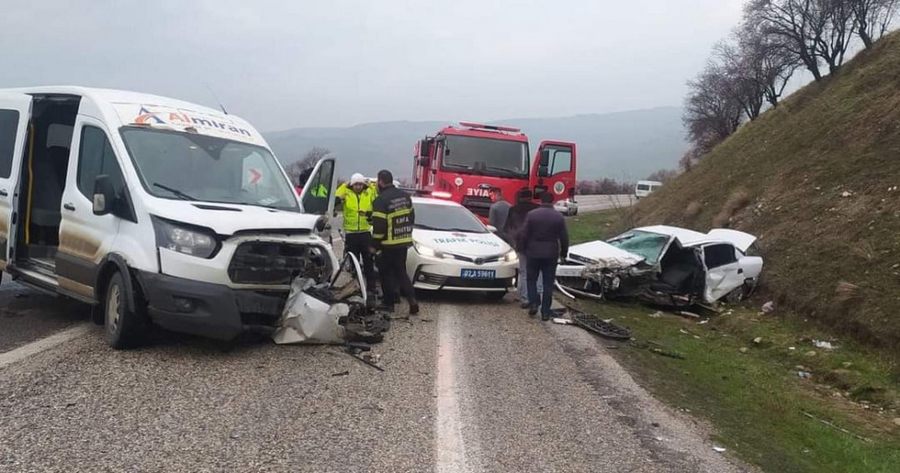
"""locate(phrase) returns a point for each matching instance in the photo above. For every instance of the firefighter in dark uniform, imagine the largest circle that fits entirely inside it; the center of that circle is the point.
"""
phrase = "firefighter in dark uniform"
(393, 219)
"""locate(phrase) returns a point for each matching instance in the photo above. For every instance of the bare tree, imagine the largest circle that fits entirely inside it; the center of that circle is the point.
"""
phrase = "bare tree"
(873, 17)
(770, 66)
(741, 79)
(301, 166)
(833, 26)
(792, 26)
(711, 112)
(810, 30)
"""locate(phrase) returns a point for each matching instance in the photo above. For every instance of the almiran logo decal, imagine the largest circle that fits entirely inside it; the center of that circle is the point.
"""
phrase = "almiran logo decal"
(559, 188)
(183, 119)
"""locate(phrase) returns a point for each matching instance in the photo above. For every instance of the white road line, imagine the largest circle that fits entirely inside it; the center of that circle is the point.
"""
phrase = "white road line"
(451, 448)
(33, 348)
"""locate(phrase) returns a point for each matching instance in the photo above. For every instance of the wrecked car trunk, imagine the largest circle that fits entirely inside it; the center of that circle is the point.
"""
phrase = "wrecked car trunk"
(334, 312)
(666, 266)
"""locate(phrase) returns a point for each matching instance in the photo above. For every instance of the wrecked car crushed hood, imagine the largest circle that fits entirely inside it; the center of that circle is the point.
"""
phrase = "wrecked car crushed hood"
(603, 254)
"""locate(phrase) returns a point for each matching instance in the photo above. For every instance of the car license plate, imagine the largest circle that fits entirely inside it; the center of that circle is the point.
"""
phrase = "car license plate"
(478, 274)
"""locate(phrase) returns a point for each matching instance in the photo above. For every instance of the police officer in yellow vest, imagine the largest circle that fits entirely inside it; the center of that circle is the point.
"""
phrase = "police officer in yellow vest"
(393, 220)
(358, 197)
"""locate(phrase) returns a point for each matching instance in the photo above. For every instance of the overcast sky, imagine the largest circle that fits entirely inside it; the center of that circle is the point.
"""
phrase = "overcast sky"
(338, 63)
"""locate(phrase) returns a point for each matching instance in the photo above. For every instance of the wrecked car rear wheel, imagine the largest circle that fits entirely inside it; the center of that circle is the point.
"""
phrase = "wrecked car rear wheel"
(736, 295)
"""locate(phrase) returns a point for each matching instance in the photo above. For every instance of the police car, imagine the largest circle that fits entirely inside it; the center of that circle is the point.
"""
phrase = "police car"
(453, 250)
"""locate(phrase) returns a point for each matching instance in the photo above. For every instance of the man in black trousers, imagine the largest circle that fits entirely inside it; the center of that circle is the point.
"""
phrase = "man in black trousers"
(544, 240)
(393, 219)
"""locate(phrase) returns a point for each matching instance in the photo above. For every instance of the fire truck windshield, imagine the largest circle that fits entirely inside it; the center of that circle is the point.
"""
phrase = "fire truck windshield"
(486, 156)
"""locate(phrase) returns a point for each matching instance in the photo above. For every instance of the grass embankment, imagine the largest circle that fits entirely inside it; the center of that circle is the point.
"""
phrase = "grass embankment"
(818, 180)
(757, 403)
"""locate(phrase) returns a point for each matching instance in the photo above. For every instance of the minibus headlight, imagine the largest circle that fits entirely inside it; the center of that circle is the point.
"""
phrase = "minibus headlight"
(183, 239)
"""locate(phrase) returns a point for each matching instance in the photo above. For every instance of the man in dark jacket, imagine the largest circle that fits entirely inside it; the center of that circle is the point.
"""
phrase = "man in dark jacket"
(545, 240)
(512, 232)
(393, 219)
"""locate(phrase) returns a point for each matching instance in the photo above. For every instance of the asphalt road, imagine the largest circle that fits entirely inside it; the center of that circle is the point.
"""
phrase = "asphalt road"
(468, 386)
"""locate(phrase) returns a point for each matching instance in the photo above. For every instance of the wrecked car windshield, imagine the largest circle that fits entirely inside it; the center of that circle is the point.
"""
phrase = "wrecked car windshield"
(645, 244)
(187, 166)
(448, 218)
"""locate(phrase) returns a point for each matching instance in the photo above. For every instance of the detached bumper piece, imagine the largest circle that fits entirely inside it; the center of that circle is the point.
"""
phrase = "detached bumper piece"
(335, 313)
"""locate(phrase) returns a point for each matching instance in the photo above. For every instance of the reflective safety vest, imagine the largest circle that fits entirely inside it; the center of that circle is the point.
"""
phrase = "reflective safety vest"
(357, 208)
(393, 218)
(320, 191)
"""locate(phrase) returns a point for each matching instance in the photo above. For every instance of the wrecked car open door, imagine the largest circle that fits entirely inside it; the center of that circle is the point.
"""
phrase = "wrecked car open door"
(724, 273)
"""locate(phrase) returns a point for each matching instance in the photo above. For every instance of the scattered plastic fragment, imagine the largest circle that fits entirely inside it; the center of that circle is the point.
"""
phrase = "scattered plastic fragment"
(825, 345)
(562, 321)
(719, 449)
(768, 307)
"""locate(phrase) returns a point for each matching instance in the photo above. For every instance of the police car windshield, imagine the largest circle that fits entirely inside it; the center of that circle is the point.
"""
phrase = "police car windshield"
(190, 166)
(447, 218)
(486, 156)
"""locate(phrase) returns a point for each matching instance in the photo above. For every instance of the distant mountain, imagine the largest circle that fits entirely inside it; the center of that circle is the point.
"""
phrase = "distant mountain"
(627, 145)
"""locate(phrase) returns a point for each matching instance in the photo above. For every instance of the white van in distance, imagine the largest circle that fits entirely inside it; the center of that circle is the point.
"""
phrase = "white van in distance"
(645, 188)
(155, 211)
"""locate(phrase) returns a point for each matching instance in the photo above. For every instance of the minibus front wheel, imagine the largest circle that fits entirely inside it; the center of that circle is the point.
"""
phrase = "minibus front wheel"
(124, 326)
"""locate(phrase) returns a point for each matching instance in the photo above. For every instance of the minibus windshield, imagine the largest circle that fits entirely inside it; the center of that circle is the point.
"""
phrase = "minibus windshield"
(190, 166)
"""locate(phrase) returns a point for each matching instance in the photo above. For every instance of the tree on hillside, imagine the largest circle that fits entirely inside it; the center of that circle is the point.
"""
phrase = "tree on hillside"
(743, 78)
(836, 26)
(303, 165)
(769, 66)
(810, 30)
(791, 26)
(711, 112)
(873, 18)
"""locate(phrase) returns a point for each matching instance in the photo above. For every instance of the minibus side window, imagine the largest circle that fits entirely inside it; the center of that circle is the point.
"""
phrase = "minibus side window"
(9, 122)
(95, 158)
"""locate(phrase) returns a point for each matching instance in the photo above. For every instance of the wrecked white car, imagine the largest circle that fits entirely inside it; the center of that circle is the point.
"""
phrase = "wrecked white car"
(663, 265)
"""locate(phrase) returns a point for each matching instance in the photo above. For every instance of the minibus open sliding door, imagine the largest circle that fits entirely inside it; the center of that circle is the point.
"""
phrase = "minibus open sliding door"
(15, 115)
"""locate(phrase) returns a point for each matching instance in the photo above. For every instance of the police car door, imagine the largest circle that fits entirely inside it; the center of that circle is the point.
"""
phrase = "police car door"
(15, 113)
(318, 195)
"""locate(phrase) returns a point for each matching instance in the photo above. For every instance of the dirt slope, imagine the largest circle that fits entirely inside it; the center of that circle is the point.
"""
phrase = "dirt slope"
(818, 179)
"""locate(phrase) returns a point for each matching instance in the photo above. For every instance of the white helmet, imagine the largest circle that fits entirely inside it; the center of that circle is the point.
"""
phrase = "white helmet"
(357, 179)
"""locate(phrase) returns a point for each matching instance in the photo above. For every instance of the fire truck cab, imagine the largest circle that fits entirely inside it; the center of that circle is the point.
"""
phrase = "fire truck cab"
(464, 163)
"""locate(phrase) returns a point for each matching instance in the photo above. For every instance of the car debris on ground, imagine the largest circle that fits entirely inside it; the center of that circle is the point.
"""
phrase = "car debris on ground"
(664, 266)
(335, 312)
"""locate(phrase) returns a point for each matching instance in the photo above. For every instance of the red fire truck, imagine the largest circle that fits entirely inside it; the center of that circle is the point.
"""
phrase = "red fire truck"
(463, 163)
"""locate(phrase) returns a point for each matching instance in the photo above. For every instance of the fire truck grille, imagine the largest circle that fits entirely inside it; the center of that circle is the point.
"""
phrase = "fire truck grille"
(478, 205)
